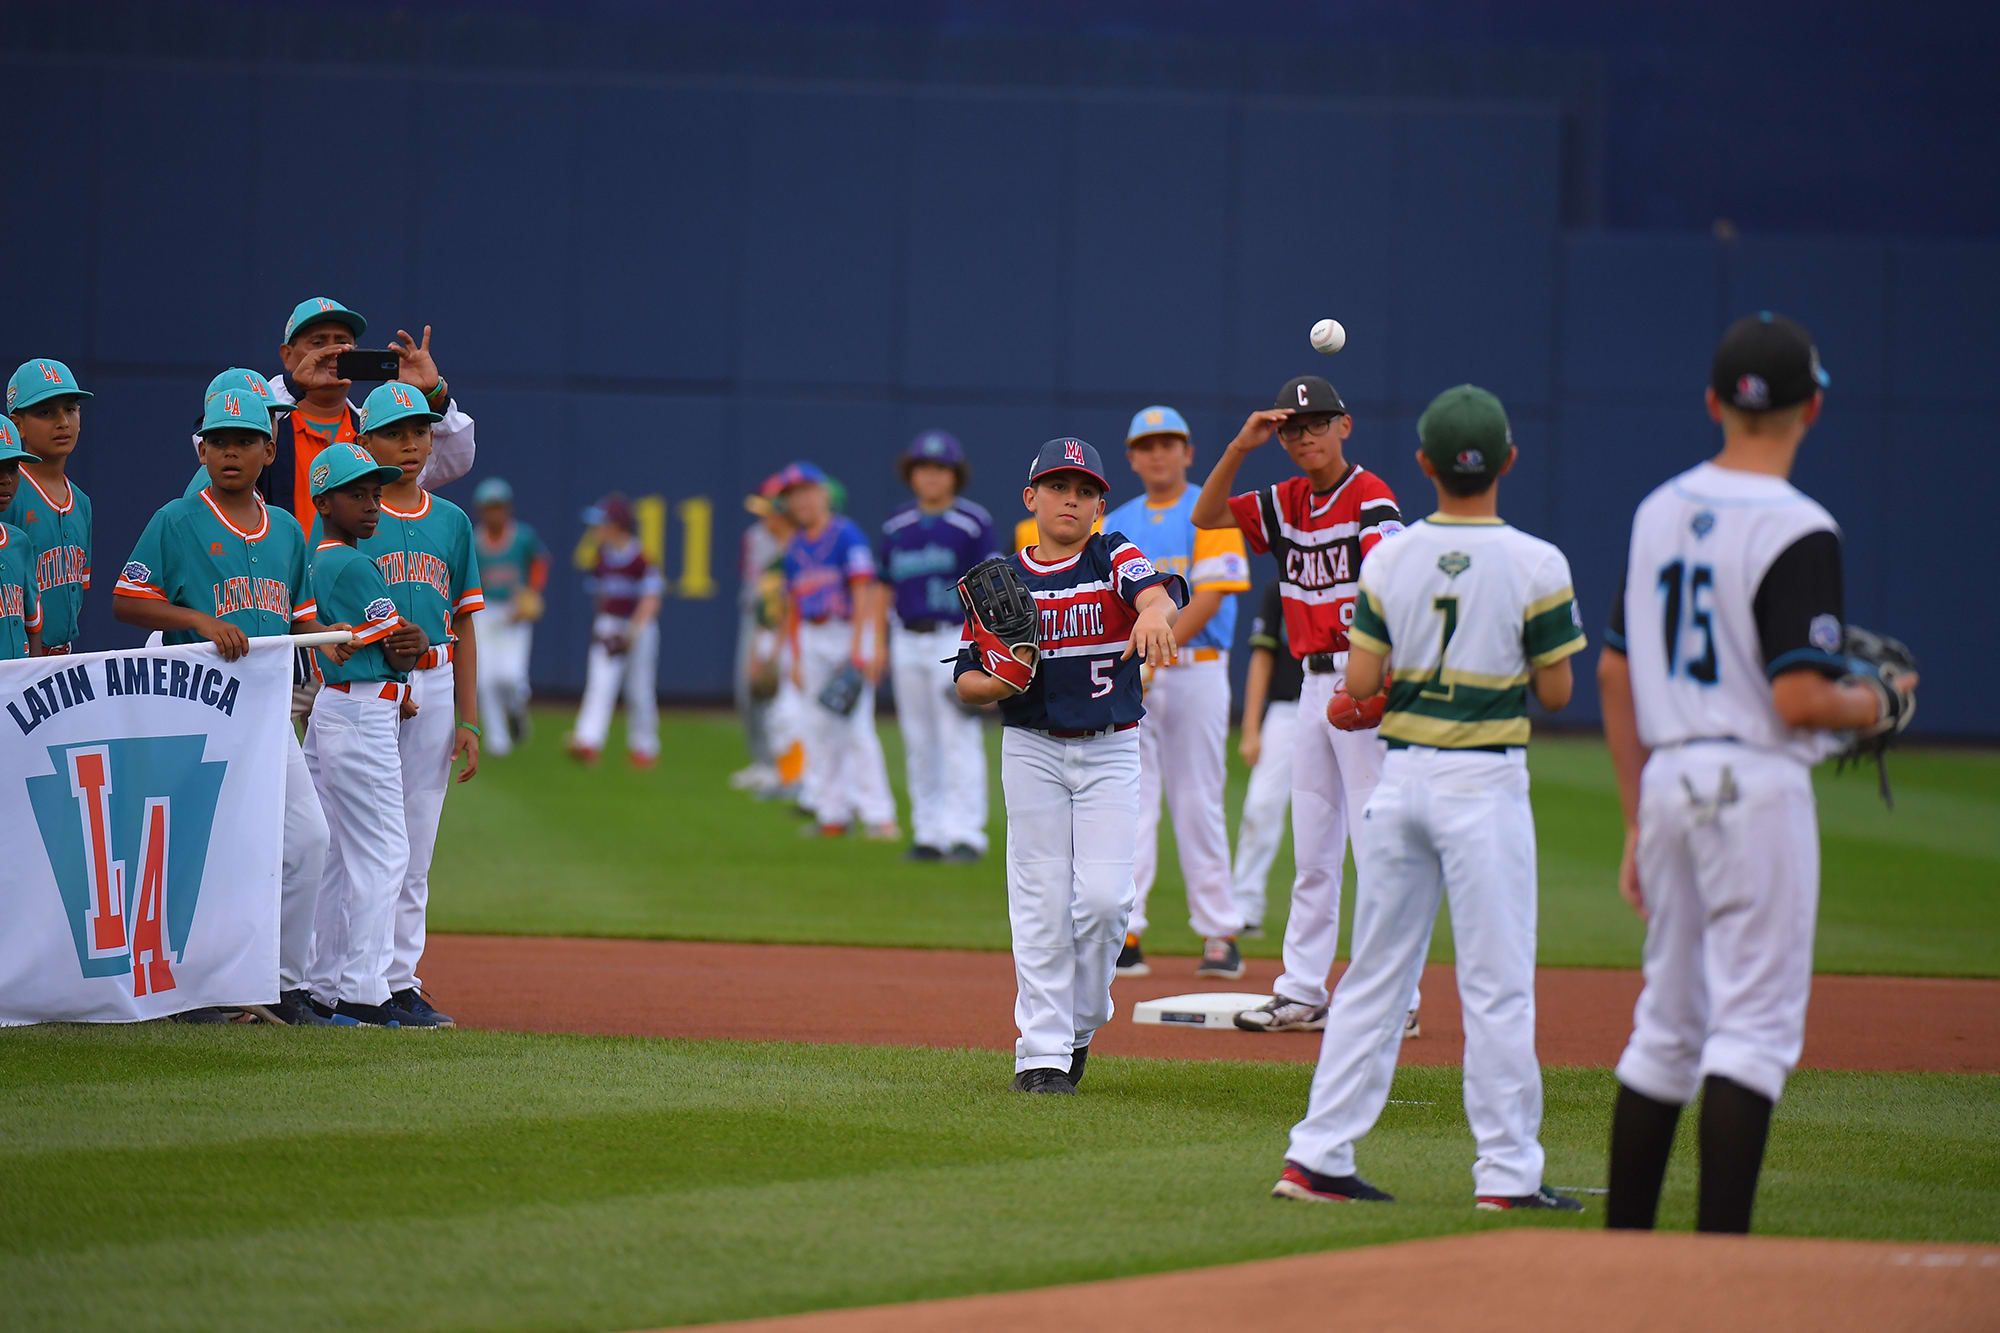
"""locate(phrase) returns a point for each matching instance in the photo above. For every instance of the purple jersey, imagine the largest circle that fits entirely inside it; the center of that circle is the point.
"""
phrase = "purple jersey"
(819, 569)
(922, 556)
(1084, 683)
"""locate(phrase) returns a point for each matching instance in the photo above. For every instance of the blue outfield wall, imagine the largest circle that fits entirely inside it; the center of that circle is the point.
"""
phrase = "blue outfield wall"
(674, 286)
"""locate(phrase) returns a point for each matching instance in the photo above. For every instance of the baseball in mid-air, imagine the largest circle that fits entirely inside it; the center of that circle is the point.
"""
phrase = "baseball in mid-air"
(1328, 336)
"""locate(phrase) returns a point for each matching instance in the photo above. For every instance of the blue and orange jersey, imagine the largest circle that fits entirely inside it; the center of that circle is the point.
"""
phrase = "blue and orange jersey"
(20, 602)
(1085, 683)
(349, 589)
(820, 571)
(59, 535)
(191, 555)
(426, 557)
(1210, 559)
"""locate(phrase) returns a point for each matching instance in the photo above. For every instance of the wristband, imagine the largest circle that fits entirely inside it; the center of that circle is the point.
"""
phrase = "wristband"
(469, 727)
(437, 392)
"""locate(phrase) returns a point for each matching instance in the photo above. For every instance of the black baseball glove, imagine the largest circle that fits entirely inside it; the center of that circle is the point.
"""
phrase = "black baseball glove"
(1880, 662)
(843, 691)
(1005, 624)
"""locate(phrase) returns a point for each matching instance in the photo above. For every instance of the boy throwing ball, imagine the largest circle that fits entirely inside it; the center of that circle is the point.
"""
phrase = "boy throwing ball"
(1056, 635)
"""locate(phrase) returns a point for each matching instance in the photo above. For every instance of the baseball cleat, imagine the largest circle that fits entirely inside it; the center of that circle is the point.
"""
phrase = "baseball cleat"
(964, 854)
(923, 852)
(577, 750)
(369, 1015)
(422, 1013)
(1312, 1187)
(1412, 1029)
(1220, 958)
(1544, 1199)
(1131, 960)
(823, 831)
(640, 761)
(885, 832)
(1054, 1081)
(1279, 1014)
(1077, 1059)
(293, 1009)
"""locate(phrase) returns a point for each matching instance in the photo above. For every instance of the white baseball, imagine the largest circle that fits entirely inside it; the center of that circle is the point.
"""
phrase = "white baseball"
(1328, 336)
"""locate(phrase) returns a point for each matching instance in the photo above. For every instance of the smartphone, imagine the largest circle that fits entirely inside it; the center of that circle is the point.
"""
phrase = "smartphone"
(365, 363)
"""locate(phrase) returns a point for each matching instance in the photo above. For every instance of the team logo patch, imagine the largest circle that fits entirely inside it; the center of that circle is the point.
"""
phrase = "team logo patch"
(320, 473)
(12, 394)
(359, 454)
(134, 572)
(380, 609)
(1072, 452)
(1702, 524)
(1469, 460)
(1752, 392)
(1824, 633)
(1453, 563)
(1389, 528)
(1142, 568)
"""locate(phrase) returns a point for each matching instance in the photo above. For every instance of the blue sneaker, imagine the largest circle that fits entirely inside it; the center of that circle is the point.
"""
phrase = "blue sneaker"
(414, 1011)
(370, 1015)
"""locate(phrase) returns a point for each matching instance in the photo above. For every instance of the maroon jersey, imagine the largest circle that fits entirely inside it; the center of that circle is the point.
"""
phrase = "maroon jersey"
(622, 576)
(1318, 541)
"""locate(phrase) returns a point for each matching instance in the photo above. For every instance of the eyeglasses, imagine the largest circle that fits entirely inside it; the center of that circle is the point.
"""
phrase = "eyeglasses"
(1292, 428)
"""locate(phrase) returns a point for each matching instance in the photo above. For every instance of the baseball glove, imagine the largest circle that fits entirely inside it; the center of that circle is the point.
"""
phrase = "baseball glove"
(843, 692)
(1878, 661)
(527, 605)
(1347, 713)
(1005, 625)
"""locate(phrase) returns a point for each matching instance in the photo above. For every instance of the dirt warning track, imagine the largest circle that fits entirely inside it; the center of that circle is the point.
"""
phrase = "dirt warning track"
(951, 998)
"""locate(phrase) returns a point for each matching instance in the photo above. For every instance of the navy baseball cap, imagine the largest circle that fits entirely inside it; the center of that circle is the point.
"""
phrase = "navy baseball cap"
(1764, 363)
(935, 446)
(1068, 454)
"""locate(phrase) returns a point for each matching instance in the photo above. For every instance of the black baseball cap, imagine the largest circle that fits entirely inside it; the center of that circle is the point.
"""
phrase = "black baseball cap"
(1766, 362)
(1068, 454)
(1310, 393)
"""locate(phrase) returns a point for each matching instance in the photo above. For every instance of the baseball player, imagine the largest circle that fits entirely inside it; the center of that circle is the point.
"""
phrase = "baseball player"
(20, 603)
(1723, 679)
(223, 567)
(45, 404)
(1275, 676)
(352, 750)
(624, 640)
(837, 622)
(248, 383)
(513, 574)
(1317, 526)
(924, 547)
(1475, 614)
(1183, 748)
(759, 558)
(1067, 681)
(424, 547)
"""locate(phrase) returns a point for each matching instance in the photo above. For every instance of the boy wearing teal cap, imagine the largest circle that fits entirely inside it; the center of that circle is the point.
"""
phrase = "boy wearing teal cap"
(513, 571)
(46, 406)
(241, 380)
(222, 566)
(351, 747)
(20, 604)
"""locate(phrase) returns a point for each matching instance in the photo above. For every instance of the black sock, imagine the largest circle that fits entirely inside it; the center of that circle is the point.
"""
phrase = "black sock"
(1734, 1124)
(1642, 1138)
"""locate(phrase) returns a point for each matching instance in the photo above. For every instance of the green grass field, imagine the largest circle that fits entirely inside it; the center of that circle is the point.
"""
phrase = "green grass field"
(256, 1178)
(540, 846)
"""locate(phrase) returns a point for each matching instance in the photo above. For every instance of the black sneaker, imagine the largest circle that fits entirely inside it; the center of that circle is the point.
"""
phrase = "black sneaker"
(208, 1015)
(1544, 1198)
(964, 854)
(295, 1009)
(1043, 1080)
(1220, 958)
(369, 1015)
(518, 728)
(1077, 1059)
(923, 852)
(414, 1011)
(1132, 960)
(1312, 1187)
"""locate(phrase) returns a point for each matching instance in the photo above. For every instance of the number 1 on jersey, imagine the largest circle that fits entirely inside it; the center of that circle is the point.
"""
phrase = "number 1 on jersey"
(1698, 583)
(1435, 688)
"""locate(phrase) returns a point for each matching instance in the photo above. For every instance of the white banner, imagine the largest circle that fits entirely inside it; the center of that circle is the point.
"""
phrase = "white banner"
(142, 794)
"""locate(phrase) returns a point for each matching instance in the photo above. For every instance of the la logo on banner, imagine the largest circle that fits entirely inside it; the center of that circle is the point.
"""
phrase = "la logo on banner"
(126, 825)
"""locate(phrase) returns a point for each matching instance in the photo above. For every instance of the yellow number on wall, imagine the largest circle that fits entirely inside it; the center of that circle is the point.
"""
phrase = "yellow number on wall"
(697, 517)
(651, 513)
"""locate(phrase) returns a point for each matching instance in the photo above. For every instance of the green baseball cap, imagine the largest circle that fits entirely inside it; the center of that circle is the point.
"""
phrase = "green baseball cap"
(314, 309)
(343, 464)
(392, 402)
(10, 445)
(235, 409)
(1464, 432)
(36, 380)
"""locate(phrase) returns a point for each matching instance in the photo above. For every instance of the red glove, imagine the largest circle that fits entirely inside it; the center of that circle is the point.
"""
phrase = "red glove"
(1346, 714)
(996, 659)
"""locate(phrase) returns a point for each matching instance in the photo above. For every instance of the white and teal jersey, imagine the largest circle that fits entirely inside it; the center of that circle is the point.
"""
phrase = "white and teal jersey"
(191, 555)
(1464, 609)
(1210, 559)
(517, 560)
(20, 602)
(426, 558)
(349, 590)
(59, 535)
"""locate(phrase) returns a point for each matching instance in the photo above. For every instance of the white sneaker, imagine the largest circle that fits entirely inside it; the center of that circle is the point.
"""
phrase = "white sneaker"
(1279, 1014)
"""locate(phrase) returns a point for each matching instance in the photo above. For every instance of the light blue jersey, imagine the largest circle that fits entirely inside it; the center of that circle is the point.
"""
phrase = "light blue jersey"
(1211, 559)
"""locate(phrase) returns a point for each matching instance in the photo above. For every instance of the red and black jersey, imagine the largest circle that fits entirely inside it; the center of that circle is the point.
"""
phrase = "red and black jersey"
(1318, 541)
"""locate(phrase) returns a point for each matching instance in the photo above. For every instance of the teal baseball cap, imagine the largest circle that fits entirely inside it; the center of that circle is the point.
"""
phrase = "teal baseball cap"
(343, 464)
(235, 409)
(1156, 420)
(492, 491)
(36, 380)
(242, 379)
(316, 308)
(10, 445)
(392, 402)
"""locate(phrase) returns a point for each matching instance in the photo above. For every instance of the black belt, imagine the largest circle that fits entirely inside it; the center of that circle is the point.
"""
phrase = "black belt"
(1096, 731)
(928, 626)
(1322, 664)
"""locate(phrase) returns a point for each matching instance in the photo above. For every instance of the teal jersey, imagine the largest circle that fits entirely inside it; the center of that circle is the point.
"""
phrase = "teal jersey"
(20, 601)
(517, 560)
(349, 590)
(191, 555)
(427, 560)
(1208, 558)
(60, 539)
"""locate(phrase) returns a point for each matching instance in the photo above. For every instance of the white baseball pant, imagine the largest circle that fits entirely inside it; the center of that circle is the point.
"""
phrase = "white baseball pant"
(1266, 804)
(846, 777)
(304, 870)
(424, 742)
(1070, 807)
(1454, 823)
(944, 747)
(1333, 774)
(504, 645)
(631, 673)
(351, 751)
(1182, 748)
(1729, 864)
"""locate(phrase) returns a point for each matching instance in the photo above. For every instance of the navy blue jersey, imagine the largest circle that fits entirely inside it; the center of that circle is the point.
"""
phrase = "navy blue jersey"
(921, 557)
(1084, 684)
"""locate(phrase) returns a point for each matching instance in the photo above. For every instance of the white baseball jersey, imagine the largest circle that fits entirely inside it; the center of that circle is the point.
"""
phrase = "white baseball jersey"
(1464, 609)
(1732, 579)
